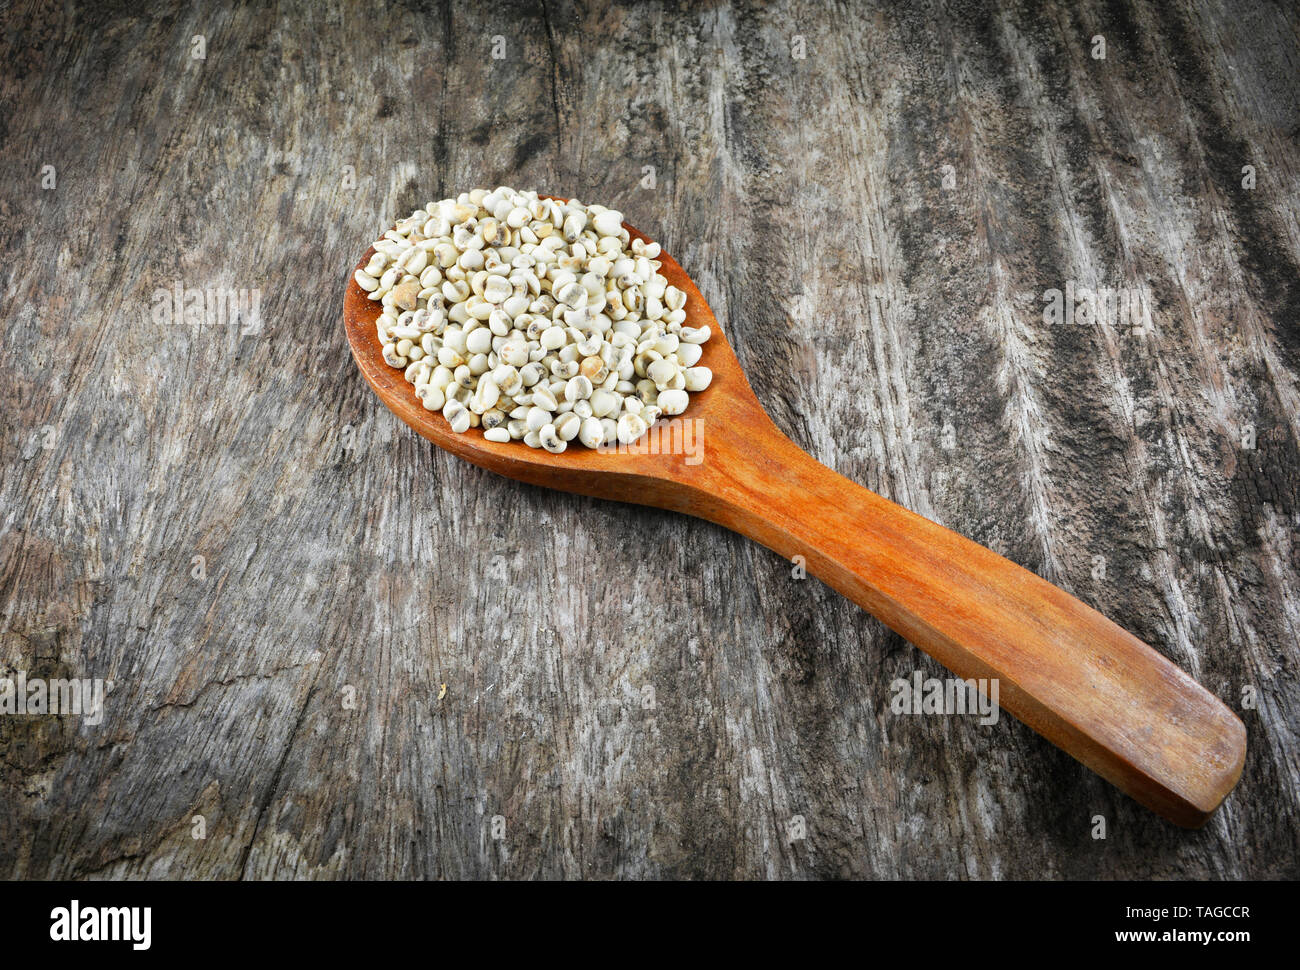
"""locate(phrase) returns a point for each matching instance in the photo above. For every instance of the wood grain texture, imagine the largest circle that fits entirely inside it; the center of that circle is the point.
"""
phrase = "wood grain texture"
(887, 310)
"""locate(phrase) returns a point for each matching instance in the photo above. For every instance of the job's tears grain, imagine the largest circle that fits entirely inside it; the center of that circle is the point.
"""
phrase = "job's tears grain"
(539, 321)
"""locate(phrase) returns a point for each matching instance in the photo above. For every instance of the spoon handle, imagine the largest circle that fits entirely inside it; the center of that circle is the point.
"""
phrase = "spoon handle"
(1081, 681)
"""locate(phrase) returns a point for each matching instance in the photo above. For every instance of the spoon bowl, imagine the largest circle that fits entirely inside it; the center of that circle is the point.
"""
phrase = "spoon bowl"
(615, 474)
(1075, 677)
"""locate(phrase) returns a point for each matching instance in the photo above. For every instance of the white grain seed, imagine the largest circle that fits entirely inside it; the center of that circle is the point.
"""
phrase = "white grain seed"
(553, 338)
(698, 378)
(567, 426)
(672, 402)
(609, 223)
(630, 428)
(693, 335)
(497, 289)
(479, 341)
(551, 440)
(688, 355)
(591, 433)
(577, 389)
(538, 418)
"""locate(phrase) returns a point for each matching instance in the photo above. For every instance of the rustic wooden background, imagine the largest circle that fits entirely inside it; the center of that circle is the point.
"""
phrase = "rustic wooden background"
(630, 693)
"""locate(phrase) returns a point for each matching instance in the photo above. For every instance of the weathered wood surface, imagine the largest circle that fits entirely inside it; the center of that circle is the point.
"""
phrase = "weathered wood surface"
(887, 308)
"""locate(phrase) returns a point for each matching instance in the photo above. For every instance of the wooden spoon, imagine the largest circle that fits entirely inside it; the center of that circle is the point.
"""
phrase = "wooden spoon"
(1085, 684)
